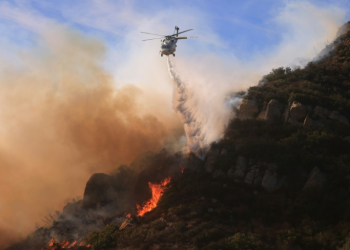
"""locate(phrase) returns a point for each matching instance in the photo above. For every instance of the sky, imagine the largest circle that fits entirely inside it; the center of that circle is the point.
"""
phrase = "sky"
(233, 28)
(80, 92)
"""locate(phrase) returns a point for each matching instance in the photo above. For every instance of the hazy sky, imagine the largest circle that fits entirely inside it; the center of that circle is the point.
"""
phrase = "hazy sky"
(235, 28)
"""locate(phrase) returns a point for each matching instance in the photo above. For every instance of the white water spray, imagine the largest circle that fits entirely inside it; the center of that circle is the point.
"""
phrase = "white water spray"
(193, 128)
(204, 109)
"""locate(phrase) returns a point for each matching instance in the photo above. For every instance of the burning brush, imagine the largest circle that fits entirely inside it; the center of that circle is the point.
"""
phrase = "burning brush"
(157, 193)
(53, 245)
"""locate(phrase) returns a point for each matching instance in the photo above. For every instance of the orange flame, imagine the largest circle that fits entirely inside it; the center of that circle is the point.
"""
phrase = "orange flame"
(128, 216)
(52, 241)
(157, 192)
(73, 244)
(64, 244)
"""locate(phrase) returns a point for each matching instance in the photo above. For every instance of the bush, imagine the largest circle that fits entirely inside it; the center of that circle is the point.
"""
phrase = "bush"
(181, 209)
(104, 239)
(158, 224)
(242, 241)
(346, 245)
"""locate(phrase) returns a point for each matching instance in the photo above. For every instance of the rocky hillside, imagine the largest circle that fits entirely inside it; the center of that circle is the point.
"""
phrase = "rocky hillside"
(278, 179)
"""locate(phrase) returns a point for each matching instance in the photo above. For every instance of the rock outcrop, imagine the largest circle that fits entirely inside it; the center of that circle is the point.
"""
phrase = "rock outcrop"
(211, 158)
(294, 113)
(273, 110)
(240, 168)
(320, 112)
(253, 176)
(308, 122)
(297, 112)
(271, 181)
(99, 192)
(316, 182)
(247, 110)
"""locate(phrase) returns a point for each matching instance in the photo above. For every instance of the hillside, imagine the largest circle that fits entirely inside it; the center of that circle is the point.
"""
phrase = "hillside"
(278, 179)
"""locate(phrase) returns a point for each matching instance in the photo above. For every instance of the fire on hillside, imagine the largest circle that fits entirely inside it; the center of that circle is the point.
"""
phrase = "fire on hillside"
(157, 192)
(53, 245)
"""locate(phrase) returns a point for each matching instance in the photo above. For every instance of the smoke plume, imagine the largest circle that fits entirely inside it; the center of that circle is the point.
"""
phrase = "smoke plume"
(62, 119)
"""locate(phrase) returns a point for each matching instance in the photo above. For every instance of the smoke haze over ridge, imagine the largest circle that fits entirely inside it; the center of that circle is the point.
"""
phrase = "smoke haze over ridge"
(61, 121)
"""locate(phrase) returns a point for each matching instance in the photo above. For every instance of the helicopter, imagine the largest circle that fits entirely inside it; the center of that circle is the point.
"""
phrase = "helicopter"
(168, 44)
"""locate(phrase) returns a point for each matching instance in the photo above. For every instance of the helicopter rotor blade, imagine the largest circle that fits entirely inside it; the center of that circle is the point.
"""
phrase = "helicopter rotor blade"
(152, 34)
(183, 32)
(151, 39)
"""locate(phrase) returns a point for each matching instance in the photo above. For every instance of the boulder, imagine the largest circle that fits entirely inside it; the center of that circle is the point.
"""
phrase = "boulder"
(240, 168)
(257, 180)
(309, 109)
(334, 115)
(261, 115)
(320, 112)
(249, 178)
(252, 174)
(248, 109)
(317, 180)
(318, 124)
(218, 173)
(286, 113)
(297, 112)
(231, 172)
(273, 110)
(308, 122)
(239, 174)
(271, 181)
(99, 192)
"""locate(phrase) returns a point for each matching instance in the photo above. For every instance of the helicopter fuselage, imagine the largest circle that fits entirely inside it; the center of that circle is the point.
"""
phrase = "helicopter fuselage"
(168, 46)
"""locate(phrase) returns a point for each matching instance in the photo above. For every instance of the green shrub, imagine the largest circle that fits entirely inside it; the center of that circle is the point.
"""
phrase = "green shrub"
(158, 224)
(181, 209)
(104, 239)
(242, 241)
(180, 226)
(346, 245)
